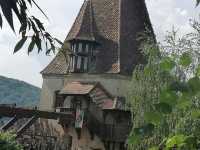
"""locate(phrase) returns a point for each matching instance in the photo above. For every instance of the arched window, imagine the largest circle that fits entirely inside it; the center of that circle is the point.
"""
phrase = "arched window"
(82, 56)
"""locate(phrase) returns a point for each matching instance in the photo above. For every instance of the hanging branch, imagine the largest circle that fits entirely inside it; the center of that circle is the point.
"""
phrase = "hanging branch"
(29, 24)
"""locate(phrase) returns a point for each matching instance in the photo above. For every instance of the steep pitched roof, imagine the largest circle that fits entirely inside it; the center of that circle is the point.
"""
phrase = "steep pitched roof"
(57, 66)
(115, 25)
(82, 28)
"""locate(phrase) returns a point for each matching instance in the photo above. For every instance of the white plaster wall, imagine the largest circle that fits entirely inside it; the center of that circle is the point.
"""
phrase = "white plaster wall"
(49, 87)
(116, 84)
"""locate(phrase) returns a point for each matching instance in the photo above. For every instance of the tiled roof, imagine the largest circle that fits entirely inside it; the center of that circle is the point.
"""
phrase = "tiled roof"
(57, 66)
(94, 89)
(115, 25)
(77, 88)
(82, 28)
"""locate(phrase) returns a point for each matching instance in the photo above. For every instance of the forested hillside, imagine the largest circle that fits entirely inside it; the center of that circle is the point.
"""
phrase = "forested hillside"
(19, 92)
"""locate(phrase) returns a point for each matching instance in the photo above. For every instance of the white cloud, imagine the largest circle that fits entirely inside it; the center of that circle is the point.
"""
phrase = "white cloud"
(23, 67)
(164, 14)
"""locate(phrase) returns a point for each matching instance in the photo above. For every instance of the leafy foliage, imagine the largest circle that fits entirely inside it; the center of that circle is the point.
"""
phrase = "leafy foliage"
(8, 142)
(165, 94)
(198, 2)
(29, 25)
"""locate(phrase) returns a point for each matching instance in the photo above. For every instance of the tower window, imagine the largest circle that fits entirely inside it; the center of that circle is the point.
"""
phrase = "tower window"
(87, 48)
(79, 62)
(85, 64)
(81, 57)
(80, 47)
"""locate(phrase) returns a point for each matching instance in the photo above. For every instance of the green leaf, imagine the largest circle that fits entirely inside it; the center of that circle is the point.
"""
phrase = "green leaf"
(168, 97)
(195, 114)
(179, 86)
(144, 130)
(163, 108)
(194, 84)
(38, 43)
(20, 44)
(1, 21)
(31, 46)
(198, 71)
(154, 148)
(153, 117)
(6, 7)
(177, 140)
(39, 24)
(184, 102)
(198, 2)
(134, 139)
(167, 64)
(149, 128)
(191, 140)
(185, 59)
(57, 40)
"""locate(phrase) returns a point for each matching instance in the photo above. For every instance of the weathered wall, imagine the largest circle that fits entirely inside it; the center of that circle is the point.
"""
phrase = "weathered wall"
(51, 84)
(113, 83)
(116, 84)
(85, 142)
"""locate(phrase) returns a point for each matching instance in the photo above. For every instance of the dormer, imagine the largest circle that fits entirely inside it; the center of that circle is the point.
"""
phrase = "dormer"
(83, 56)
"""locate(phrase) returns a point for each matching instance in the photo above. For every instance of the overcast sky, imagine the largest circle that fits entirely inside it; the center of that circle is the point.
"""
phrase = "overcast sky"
(163, 13)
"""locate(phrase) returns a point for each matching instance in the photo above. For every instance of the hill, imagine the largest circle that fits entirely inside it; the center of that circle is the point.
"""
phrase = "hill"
(19, 92)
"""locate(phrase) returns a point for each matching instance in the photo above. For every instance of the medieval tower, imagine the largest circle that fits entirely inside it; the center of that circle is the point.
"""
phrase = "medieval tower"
(91, 77)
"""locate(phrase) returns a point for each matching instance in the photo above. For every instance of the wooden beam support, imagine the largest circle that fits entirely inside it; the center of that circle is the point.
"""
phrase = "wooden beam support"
(26, 126)
(7, 111)
(9, 124)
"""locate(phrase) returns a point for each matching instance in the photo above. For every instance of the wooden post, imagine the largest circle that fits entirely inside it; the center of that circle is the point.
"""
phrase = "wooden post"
(26, 125)
(9, 124)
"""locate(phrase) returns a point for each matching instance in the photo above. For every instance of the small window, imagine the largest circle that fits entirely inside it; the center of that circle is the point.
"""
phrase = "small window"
(74, 48)
(87, 48)
(71, 63)
(80, 47)
(82, 58)
(79, 62)
(82, 64)
(84, 47)
(85, 63)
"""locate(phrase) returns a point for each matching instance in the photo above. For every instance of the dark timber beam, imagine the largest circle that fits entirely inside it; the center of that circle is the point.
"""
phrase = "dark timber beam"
(26, 126)
(7, 111)
(9, 124)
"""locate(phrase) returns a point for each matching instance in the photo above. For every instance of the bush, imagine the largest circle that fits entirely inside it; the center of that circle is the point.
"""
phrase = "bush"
(8, 142)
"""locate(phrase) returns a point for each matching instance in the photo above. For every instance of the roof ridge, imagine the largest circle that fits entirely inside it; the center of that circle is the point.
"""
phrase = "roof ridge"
(119, 37)
(92, 19)
(76, 20)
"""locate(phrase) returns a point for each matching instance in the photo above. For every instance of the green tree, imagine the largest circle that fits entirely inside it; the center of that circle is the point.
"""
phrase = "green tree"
(8, 142)
(165, 92)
